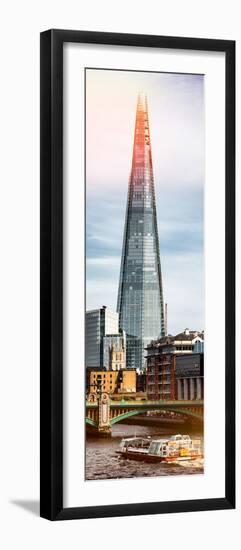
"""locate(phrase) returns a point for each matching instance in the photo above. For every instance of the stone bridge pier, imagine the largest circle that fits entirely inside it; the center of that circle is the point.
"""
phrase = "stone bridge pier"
(103, 416)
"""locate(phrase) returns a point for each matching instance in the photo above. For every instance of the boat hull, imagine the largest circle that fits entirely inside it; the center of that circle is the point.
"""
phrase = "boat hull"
(144, 457)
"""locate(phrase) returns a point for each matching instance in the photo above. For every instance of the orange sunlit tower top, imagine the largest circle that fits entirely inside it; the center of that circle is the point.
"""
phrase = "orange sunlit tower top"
(140, 296)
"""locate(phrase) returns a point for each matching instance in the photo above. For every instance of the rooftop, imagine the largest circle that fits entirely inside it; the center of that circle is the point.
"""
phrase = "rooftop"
(186, 335)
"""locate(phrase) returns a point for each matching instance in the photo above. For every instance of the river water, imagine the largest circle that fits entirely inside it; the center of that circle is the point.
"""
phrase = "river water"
(102, 462)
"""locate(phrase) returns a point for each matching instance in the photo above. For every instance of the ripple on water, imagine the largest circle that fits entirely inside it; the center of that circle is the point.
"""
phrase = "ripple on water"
(102, 462)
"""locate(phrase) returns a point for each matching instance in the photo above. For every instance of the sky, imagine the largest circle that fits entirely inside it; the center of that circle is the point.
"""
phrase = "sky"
(176, 117)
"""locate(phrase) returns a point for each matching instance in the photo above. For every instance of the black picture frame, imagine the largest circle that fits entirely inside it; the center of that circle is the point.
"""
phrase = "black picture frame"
(51, 323)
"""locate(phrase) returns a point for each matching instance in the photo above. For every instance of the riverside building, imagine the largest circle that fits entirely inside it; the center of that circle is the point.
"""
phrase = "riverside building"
(123, 381)
(174, 369)
(189, 376)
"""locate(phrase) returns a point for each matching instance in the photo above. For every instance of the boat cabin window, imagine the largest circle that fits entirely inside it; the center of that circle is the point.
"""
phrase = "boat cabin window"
(154, 448)
(164, 450)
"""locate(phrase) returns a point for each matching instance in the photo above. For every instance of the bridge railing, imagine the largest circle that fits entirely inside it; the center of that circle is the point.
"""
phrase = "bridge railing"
(131, 403)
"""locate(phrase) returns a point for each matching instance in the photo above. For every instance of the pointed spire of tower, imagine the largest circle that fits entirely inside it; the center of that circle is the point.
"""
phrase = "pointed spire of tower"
(141, 160)
(140, 101)
(140, 297)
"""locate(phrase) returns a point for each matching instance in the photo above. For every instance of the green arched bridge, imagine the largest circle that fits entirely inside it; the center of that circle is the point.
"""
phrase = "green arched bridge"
(102, 413)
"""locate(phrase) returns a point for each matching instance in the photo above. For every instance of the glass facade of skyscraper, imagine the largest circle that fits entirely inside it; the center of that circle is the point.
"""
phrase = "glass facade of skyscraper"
(140, 297)
(98, 323)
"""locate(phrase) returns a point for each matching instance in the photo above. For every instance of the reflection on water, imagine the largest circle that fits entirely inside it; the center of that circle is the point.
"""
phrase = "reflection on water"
(102, 462)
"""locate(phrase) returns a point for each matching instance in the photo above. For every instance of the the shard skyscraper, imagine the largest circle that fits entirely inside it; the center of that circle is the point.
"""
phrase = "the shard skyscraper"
(140, 296)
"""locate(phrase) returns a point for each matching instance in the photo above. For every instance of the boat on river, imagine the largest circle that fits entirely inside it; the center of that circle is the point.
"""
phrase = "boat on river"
(176, 448)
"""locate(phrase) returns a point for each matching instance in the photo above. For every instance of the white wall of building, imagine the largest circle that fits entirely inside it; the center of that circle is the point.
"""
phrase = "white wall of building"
(111, 322)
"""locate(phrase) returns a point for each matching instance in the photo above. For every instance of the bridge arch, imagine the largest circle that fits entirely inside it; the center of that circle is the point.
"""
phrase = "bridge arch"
(128, 414)
(90, 422)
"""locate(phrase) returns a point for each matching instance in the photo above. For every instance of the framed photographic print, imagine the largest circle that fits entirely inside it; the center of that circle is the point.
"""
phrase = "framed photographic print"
(137, 274)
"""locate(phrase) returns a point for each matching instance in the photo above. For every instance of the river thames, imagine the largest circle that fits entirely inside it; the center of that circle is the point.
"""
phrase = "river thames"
(102, 461)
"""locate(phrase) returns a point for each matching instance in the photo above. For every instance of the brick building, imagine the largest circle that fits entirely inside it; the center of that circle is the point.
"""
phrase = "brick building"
(122, 381)
(160, 379)
(174, 370)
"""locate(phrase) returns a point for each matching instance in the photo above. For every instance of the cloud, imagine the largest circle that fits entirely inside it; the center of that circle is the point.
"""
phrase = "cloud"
(176, 113)
(183, 282)
(177, 136)
(104, 262)
(183, 286)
